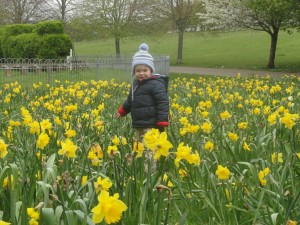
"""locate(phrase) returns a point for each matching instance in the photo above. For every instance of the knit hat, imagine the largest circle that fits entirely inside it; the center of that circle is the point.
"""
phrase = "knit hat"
(142, 57)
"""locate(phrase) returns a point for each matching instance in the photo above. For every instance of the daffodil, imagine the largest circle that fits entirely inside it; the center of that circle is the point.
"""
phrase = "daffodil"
(242, 125)
(83, 180)
(291, 222)
(112, 150)
(102, 184)
(14, 123)
(262, 174)
(209, 146)
(46, 125)
(233, 136)
(246, 146)
(5, 181)
(115, 140)
(277, 158)
(206, 127)
(110, 208)
(222, 172)
(183, 173)
(182, 131)
(95, 154)
(225, 115)
(42, 141)
(157, 142)
(272, 119)
(34, 127)
(183, 121)
(189, 110)
(123, 141)
(182, 152)
(204, 114)
(193, 158)
(289, 120)
(185, 152)
(3, 149)
(192, 128)
(33, 213)
(165, 179)
(68, 148)
(139, 148)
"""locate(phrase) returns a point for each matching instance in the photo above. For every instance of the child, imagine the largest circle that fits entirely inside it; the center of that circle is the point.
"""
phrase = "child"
(148, 100)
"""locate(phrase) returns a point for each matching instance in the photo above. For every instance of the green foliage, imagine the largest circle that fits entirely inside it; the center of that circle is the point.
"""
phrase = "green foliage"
(16, 29)
(21, 46)
(49, 27)
(8, 38)
(54, 46)
(43, 40)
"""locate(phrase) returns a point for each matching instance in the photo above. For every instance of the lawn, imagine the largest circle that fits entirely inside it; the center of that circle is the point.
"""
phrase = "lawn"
(232, 49)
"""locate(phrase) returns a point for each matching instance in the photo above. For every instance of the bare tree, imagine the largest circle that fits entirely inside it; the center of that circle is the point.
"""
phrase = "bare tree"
(63, 8)
(23, 11)
(4, 15)
(182, 14)
(117, 18)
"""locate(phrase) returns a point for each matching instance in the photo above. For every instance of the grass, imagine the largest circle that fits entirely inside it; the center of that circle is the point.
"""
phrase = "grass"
(30, 78)
(236, 49)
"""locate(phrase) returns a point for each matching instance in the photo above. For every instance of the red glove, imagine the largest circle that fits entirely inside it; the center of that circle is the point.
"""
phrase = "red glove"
(122, 111)
(162, 124)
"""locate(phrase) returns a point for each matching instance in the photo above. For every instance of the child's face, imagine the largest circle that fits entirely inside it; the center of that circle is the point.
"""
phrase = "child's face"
(142, 72)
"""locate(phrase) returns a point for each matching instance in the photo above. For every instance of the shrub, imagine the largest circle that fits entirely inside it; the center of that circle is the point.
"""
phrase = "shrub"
(54, 46)
(16, 29)
(21, 46)
(49, 27)
(7, 37)
(43, 40)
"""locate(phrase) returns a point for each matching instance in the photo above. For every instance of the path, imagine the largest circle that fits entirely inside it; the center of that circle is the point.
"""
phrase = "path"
(225, 72)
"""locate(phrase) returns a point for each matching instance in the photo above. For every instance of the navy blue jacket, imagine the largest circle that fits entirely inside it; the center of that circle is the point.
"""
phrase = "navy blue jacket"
(148, 103)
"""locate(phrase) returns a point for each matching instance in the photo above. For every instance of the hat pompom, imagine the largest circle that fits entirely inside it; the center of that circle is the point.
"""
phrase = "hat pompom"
(144, 47)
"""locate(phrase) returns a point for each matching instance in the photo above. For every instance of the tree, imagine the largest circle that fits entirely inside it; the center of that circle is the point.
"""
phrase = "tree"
(183, 15)
(62, 8)
(3, 13)
(23, 11)
(218, 15)
(118, 18)
(269, 16)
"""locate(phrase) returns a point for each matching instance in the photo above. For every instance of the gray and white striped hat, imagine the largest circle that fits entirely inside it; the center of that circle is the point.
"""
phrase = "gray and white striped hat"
(142, 57)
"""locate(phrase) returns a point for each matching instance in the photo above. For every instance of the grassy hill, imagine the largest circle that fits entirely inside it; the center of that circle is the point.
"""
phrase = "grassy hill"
(236, 49)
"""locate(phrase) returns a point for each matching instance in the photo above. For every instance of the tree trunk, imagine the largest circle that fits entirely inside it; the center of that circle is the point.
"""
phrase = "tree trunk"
(274, 38)
(63, 9)
(180, 46)
(117, 44)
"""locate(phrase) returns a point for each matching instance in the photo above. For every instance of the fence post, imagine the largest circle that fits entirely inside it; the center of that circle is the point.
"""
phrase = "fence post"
(97, 70)
(48, 72)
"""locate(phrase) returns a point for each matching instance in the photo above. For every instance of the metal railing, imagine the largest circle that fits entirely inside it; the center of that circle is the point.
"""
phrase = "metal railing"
(29, 71)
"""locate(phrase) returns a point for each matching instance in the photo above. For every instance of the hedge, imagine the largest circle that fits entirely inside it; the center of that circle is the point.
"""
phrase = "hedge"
(42, 40)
